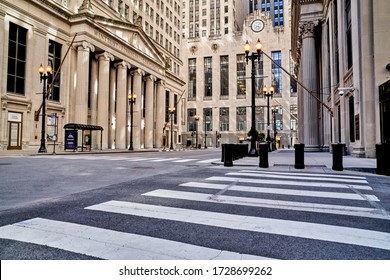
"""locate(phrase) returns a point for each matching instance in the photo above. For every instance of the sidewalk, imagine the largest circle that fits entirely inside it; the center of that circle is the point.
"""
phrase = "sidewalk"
(284, 159)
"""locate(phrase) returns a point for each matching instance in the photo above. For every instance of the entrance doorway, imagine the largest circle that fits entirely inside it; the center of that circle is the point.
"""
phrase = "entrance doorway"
(14, 131)
(384, 101)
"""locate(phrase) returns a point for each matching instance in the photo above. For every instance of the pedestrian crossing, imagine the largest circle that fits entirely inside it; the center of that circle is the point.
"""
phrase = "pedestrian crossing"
(130, 159)
(345, 208)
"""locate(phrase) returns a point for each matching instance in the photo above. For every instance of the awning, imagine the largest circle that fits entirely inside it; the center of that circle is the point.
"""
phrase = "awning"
(82, 126)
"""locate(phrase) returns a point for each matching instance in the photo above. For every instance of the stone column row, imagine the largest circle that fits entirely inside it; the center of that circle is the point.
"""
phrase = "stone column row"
(110, 109)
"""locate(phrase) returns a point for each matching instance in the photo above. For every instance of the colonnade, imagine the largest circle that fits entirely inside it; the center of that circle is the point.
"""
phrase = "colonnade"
(108, 86)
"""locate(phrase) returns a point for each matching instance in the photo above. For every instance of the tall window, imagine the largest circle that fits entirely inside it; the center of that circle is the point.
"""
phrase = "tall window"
(349, 32)
(192, 78)
(276, 71)
(241, 75)
(224, 119)
(293, 83)
(278, 13)
(55, 61)
(208, 116)
(191, 119)
(166, 106)
(336, 44)
(293, 116)
(175, 104)
(16, 59)
(259, 77)
(259, 118)
(224, 66)
(208, 76)
(241, 118)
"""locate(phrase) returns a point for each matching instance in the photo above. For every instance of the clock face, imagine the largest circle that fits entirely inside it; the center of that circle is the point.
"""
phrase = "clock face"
(257, 25)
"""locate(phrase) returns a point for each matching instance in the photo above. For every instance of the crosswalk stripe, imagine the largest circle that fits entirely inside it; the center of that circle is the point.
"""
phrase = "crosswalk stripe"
(274, 204)
(140, 159)
(290, 183)
(297, 177)
(185, 160)
(340, 234)
(164, 159)
(337, 195)
(109, 244)
(304, 174)
(209, 160)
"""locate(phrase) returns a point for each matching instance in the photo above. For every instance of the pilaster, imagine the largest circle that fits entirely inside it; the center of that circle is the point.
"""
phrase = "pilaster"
(160, 97)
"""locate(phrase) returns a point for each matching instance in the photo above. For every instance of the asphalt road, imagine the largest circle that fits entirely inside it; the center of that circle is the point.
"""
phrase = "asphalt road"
(178, 205)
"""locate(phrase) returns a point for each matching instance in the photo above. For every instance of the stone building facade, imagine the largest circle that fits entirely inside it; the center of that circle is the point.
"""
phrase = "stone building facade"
(219, 88)
(341, 50)
(117, 49)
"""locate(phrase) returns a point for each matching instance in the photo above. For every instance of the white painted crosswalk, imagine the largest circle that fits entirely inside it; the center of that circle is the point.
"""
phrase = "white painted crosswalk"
(343, 197)
(130, 159)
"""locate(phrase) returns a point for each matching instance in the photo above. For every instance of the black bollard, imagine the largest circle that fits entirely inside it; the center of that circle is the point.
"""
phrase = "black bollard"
(382, 159)
(299, 156)
(263, 155)
(228, 157)
(223, 153)
(337, 156)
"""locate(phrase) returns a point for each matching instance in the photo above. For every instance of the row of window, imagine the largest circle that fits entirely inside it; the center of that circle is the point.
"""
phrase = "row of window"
(276, 75)
(241, 119)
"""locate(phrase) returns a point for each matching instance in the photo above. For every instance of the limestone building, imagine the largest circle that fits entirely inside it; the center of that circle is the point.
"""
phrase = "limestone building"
(119, 47)
(218, 76)
(341, 50)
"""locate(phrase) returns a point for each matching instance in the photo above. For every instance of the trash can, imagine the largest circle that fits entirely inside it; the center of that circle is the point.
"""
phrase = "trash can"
(337, 156)
(263, 159)
(299, 156)
(228, 155)
(382, 159)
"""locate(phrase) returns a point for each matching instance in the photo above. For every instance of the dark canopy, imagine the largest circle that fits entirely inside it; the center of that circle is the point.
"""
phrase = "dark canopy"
(82, 126)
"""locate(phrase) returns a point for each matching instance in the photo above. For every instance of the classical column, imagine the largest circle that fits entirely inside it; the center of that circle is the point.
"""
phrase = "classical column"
(137, 112)
(121, 105)
(112, 123)
(160, 98)
(309, 78)
(149, 111)
(369, 107)
(103, 94)
(81, 104)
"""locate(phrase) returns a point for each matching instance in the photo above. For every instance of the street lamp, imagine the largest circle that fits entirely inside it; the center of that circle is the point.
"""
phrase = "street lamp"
(44, 76)
(132, 98)
(268, 94)
(253, 56)
(171, 112)
(196, 128)
(274, 111)
(205, 131)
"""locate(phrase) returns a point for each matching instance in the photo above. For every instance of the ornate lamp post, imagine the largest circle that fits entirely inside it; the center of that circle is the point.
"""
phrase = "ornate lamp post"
(196, 128)
(268, 94)
(44, 76)
(132, 98)
(171, 112)
(275, 109)
(253, 57)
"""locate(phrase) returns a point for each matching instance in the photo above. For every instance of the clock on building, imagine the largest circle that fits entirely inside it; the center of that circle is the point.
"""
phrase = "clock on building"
(257, 25)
